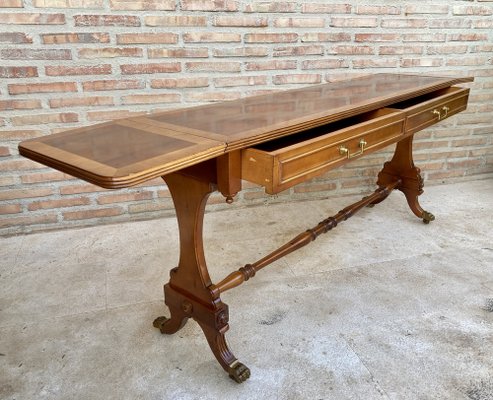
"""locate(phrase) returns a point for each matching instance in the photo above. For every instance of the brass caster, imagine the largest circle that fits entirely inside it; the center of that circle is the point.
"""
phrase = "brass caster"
(239, 372)
(427, 217)
(159, 322)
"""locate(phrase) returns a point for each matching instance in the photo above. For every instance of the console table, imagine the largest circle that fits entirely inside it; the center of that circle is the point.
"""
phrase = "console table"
(275, 140)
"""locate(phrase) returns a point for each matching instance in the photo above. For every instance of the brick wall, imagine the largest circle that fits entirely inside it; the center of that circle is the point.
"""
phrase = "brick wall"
(67, 63)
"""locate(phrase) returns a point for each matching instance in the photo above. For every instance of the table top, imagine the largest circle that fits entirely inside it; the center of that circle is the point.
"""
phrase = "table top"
(129, 151)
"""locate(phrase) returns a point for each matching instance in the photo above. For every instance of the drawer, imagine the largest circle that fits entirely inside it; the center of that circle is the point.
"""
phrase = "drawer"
(281, 163)
(431, 108)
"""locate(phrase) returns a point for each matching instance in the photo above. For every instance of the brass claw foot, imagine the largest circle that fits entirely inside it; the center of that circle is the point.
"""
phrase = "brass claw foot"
(159, 322)
(427, 217)
(239, 372)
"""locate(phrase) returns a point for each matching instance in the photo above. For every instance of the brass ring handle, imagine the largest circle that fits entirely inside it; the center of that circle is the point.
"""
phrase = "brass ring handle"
(446, 110)
(343, 150)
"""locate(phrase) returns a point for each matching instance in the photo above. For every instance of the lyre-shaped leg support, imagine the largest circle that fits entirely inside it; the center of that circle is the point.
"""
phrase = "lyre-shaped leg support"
(189, 293)
(402, 167)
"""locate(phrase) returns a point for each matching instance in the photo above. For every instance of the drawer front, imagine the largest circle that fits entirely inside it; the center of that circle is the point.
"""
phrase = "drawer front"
(436, 110)
(284, 167)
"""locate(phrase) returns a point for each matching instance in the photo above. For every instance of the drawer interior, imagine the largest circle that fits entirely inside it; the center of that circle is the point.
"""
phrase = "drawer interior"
(424, 98)
(304, 136)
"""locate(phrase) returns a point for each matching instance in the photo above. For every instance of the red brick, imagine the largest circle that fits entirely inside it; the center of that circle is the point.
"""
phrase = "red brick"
(271, 37)
(211, 37)
(112, 114)
(36, 54)
(78, 189)
(151, 98)
(467, 37)
(184, 52)
(19, 104)
(270, 65)
(483, 24)
(147, 38)
(18, 72)
(409, 23)
(13, 194)
(81, 101)
(138, 5)
(209, 5)
(326, 37)
(472, 10)
(69, 3)
(457, 23)
(110, 52)
(124, 197)
(296, 79)
(42, 87)
(11, 4)
(124, 84)
(343, 22)
(44, 177)
(106, 20)
(212, 96)
(241, 52)
(7, 180)
(176, 20)
(32, 19)
(30, 220)
(299, 22)
(150, 68)
(324, 64)
(179, 83)
(447, 49)
(423, 37)
(15, 38)
(376, 37)
(11, 164)
(88, 37)
(375, 63)
(10, 209)
(148, 207)
(321, 8)
(421, 62)
(59, 203)
(315, 187)
(38, 119)
(427, 9)
(88, 214)
(240, 81)
(81, 70)
(467, 61)
(21, 134)
(4, 151)
(253, 22)
(378, 10)
(298, 51)
(389, 50)
(274, 6)
(213, 66)
(352, 50)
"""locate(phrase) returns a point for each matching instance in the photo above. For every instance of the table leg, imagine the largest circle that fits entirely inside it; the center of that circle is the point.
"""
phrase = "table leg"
(189, 292)
(402, 167)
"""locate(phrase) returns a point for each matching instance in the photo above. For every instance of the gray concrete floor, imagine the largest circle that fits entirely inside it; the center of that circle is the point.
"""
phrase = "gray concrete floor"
(383, 307)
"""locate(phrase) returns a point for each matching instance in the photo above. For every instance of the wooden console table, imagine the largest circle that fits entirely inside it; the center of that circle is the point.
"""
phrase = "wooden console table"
(276, 140)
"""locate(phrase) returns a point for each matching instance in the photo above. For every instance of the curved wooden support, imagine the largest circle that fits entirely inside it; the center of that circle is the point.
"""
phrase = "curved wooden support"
(402, 167)
(248, 271)
(189, 293)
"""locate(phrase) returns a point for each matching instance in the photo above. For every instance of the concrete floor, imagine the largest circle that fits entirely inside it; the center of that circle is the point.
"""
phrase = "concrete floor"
(383, 307)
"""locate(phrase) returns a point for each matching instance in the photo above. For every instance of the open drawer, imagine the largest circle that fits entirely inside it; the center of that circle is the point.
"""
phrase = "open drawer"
(287, 161)
(431, 108)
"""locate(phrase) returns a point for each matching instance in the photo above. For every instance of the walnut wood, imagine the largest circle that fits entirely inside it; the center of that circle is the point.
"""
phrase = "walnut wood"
(297, 135)
(248, 271)
(130, 151)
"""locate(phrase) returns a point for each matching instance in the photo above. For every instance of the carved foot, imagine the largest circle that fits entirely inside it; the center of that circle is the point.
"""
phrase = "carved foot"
(239, 372)
(427, 217)
(170, 325)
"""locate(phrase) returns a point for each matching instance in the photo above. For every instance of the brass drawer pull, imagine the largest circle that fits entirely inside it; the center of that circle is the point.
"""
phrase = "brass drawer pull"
(343, 150)
(445, 109)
